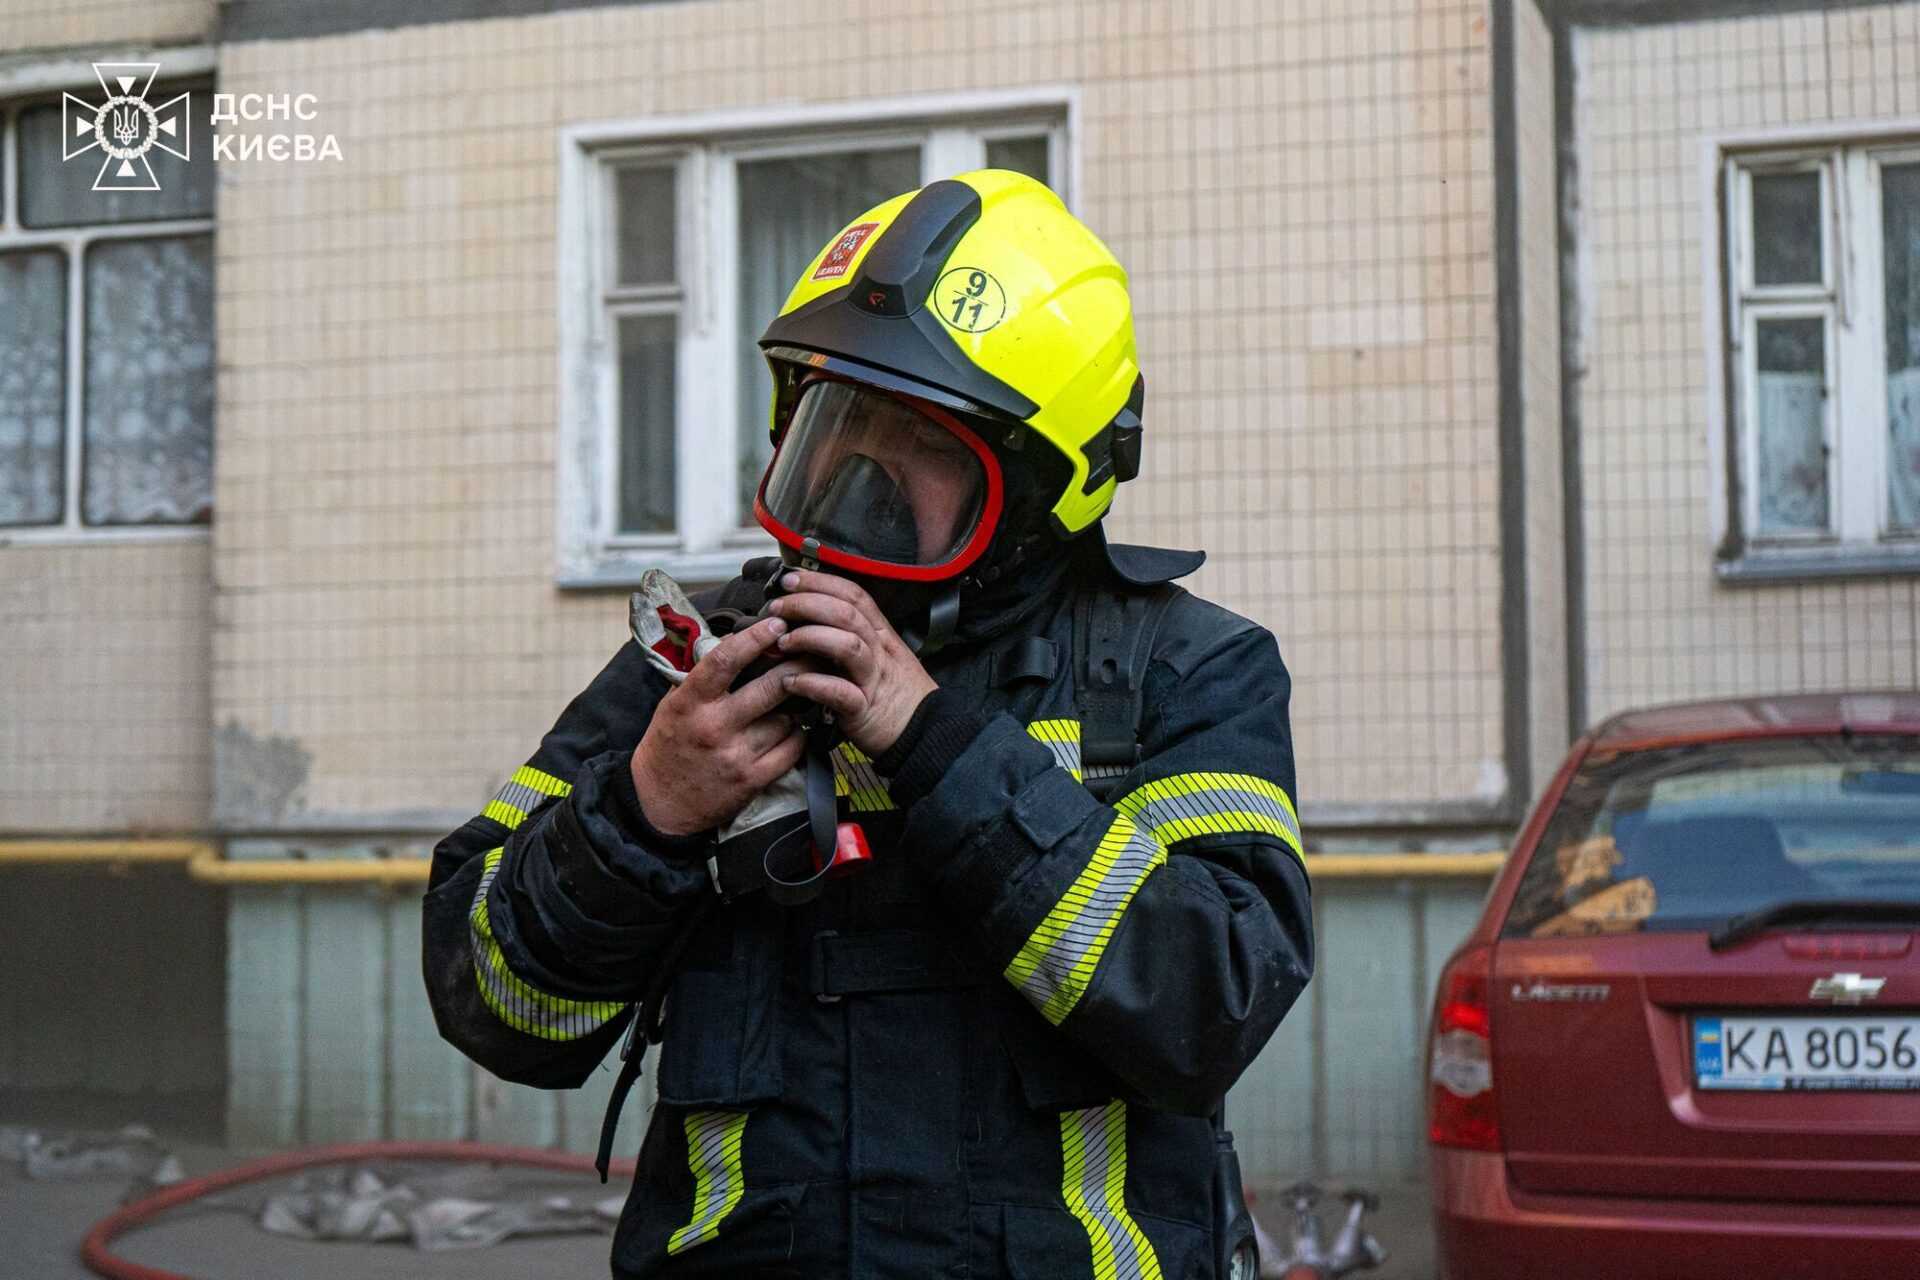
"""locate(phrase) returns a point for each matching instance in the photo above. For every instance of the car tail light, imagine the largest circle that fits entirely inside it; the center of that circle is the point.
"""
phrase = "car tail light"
(1460, 1108)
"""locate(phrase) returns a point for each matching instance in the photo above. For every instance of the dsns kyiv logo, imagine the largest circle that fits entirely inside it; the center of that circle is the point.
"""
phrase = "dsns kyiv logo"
(126, 126)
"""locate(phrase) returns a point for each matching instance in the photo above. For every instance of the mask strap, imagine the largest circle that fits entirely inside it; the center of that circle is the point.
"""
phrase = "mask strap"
(943, 616)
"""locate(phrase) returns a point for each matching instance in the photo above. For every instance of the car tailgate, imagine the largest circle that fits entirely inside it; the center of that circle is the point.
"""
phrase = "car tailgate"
(1593, 1049)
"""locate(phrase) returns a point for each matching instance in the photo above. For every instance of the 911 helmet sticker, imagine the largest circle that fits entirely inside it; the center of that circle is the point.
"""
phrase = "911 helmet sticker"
(969, 299)
(840, 256)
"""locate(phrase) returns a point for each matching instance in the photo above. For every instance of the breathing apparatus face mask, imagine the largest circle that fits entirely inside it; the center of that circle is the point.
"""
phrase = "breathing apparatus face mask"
(879, 485)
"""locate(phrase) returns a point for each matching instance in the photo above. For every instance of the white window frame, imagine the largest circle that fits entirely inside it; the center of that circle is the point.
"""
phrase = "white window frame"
(60, 75)
(1852, 300)
(704, 149)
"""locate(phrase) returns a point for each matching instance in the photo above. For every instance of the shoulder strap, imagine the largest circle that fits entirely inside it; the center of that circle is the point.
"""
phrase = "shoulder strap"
(646, 1028)
(1113, 633)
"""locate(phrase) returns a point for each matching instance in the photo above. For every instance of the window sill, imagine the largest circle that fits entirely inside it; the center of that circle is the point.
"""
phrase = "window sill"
(621, 570)
(104, 535)
(1759, 568)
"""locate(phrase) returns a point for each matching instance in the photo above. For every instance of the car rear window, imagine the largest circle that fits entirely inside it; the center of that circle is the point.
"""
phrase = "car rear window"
(1684, 837)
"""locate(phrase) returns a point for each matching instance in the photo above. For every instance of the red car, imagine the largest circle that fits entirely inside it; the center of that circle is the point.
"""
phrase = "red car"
(1684, 1038)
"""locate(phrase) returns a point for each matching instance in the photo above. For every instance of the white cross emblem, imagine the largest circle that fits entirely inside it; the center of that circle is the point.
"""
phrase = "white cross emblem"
(126, 126)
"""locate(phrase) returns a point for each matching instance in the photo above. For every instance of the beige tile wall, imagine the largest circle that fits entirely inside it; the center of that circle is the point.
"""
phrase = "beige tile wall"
(104, 688)
(53, 24)
(1303, 194)
(1660, 627)
(105, 699)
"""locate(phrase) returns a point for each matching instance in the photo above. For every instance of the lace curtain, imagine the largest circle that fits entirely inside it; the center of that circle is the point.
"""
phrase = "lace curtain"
(148, 422)
(1791, 415)
(33, 362)
(1900, 214)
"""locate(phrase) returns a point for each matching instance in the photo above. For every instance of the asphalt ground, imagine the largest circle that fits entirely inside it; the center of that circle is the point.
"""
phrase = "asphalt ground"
(43, 1222)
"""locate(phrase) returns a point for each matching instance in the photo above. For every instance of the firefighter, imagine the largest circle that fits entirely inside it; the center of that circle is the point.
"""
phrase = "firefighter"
(1000, 1046)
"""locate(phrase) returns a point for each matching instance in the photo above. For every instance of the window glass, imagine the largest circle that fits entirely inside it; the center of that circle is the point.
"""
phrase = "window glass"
(646, 226)
(33, 363)
(1786, 228)
(1022, 155)
(788, 208)
(61, 193)
(647, 410)
(1790, 415)
(1900, 224)
(1688, 836)
(147, 433)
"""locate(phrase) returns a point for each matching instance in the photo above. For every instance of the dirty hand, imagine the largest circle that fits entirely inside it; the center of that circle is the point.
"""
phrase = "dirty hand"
(877, 683)
(709, 749)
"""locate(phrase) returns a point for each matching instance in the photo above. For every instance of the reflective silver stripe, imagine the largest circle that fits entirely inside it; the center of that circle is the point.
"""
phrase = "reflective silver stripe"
(522, 795)
(513, 1001)
(1192, 804)
(1062, 738)
(713, 1153)
(1093, 1147)
(854, 778)
(1055, 965)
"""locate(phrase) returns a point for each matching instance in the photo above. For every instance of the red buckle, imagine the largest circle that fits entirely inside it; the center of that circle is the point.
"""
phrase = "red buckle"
(850, 851)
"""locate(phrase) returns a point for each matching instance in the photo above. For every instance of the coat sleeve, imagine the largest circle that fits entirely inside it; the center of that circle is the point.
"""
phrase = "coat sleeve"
(1165, 934)
(546, 912)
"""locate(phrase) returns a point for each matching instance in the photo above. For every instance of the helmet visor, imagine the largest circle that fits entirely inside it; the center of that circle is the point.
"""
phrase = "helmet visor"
(880, 484)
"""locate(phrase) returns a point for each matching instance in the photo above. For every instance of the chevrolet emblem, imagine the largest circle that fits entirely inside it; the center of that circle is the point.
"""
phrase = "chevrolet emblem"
(1846, 988)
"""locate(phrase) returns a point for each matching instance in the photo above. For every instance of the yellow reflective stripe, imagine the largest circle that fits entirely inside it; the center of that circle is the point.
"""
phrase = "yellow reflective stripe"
(1062, 737)
(1093, 1181)
(522, 794)
(1207, 803)
(1055, 965)
(515, 1003)
(854, 778)
(713, 1153)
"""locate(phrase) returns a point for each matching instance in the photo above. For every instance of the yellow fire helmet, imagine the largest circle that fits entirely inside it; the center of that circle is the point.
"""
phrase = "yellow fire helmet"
(977, 299)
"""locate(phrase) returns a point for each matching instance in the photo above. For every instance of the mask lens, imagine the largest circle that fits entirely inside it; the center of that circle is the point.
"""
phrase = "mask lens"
(870, 475)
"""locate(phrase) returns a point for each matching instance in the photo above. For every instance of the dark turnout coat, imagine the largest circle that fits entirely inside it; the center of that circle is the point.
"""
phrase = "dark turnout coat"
(991, 1053)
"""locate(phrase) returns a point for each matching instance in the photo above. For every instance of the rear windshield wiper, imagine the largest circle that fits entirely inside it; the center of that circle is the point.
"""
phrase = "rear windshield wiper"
(1737, 929)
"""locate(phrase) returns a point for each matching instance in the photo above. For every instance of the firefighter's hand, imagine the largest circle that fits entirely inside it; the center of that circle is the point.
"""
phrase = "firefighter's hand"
(877, 682)
(709, 748)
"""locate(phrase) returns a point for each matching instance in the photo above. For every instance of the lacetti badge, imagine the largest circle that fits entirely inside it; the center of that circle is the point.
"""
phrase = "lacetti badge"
(126, 126)
(1847, 988)
(1538, 992)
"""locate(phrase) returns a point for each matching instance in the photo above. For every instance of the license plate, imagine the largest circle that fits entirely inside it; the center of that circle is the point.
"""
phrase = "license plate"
(1740, 1052)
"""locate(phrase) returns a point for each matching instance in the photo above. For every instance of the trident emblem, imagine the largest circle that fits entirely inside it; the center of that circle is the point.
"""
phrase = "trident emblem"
(126, 126)
(125, 132)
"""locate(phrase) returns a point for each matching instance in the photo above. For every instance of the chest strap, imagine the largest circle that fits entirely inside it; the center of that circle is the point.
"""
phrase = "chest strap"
(1113, 635)
(891, 960)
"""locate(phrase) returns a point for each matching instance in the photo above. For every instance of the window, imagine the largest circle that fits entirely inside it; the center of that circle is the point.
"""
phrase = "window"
(1685, 837)
(106, 332)
(682, 242)
(1824, 357)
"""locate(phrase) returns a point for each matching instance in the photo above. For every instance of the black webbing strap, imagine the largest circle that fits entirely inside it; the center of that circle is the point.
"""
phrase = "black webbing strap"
(646, 1029)
(739, 867)
(888, 960)
(1113, 643)
(1030, 658)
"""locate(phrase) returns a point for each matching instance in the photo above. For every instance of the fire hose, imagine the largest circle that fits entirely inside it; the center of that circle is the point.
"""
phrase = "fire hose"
(99, 1258)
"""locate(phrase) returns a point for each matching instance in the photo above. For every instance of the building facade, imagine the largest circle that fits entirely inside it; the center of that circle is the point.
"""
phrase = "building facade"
(1486, 353)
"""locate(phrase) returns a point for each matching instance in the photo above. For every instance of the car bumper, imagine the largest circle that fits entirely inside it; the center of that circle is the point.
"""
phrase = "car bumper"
(1486, 1229)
